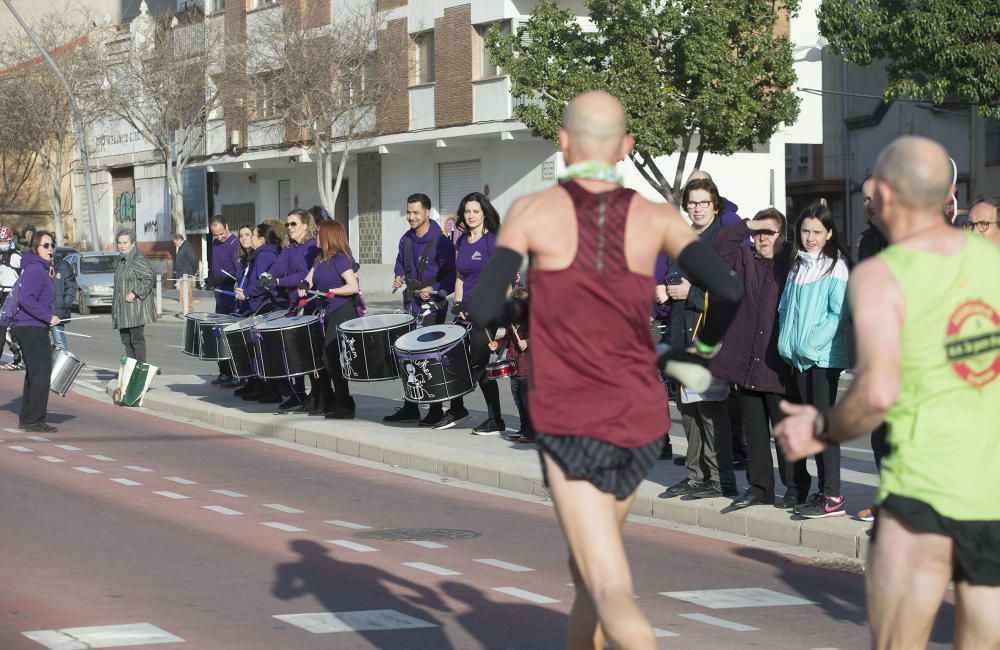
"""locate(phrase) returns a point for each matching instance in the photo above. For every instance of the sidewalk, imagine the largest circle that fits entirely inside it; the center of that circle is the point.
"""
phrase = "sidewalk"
(493, 462)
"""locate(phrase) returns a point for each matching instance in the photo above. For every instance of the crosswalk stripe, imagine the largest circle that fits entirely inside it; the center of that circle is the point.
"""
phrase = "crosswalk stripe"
(87, 470)
(354, 546)
(68, 447)
(346, 524)
(431, 568)
(52, 459)
(500, 564)
(178, 479)
(285, 527)
(720, 622)
(126, 481)
(229, 493)
(106, 459)
(222, 510)
(20, 448)
(281, 508)
(526, 595)
(137, 468)
(169, 494)
(425, 544)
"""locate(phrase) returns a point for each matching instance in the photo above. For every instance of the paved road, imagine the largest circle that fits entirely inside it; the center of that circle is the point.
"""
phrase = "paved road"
(215, 541)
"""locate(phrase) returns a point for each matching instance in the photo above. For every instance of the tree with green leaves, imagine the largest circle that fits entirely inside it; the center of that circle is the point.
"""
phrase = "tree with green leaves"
(694, 75)
(936, 49)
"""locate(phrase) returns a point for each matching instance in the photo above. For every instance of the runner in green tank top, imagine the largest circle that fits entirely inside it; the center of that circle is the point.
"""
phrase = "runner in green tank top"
(927, 320)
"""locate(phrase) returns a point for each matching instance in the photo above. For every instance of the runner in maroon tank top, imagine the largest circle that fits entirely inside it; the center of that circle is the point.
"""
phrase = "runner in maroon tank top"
(595, 397)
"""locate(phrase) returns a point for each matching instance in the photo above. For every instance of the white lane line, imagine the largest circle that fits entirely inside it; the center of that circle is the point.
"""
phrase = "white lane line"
(424, 544)
(68, 447)
(663, 634)
(357, 621)
(285, 527)
(178, 479)
(346, 524)
(13, 430)
(354, 546)
(431, 568)
(500, 564)
(51, 459)
(277, 506)
(737, 598)
(720, 622)
(87, 470)
(39, 438)
(137, 468)
(222, 510)
(176, 347)
(529, 596)
(20, 448)
(125, 481)
(229, 493)
(106, 459)
(102, 636)
(169, 494)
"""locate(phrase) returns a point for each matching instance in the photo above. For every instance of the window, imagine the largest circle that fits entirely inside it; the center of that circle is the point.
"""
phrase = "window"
(351, 87)
(992, 151)
(269, 100)
(424, 55)
(264, 3)
(487, 68)
(215, 6)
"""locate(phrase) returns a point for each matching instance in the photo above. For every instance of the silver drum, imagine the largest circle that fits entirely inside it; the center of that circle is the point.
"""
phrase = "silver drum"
(65, 367)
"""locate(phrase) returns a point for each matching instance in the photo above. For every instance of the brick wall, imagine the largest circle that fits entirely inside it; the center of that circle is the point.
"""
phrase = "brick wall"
(386, 5)
(453, 56)
(393, 50)
(234, 96)
(369, 208)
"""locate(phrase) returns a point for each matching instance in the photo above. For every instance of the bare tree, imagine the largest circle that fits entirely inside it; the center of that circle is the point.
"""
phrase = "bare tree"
(323, 84)
(17, 135)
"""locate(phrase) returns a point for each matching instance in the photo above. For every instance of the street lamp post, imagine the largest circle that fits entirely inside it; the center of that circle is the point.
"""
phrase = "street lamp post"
(81, 134)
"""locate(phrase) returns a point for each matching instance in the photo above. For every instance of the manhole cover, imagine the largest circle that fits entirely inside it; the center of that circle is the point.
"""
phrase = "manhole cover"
(417, 534)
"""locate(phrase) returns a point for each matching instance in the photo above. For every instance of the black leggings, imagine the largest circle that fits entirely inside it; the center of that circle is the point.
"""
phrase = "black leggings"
(818, 387)
(479, 355)
(37, 351)
(331, 349)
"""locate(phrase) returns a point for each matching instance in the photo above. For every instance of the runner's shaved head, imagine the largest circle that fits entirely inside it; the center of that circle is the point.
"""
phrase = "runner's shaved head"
(918, 170)
(595, 121)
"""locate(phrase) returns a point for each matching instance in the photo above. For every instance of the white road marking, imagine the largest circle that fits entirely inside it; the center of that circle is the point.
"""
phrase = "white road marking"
(431, 568)
(529, 596)
(169, 494)
(424, 544)
(102, 636)
(281, 508)
(20, 448)
(346, 524)
(720, 622)
(736, 598)
(178, 479)
(125, 481)
(285, 527)
(87, 470)
(500, 564)
(39, 438)
(68, 447)
(52, 459)
(222, 510)
(360, 621)
(354, 546)
(229, 493)
(663, 634)
(137, 468)
(13, 430)
(106, 459)
(176, 347)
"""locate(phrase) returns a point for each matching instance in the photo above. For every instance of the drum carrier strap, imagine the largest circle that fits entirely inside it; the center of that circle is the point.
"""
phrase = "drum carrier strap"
(425, 253)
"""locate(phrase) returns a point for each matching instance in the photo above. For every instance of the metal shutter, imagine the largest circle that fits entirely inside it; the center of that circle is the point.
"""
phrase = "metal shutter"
(455, 180)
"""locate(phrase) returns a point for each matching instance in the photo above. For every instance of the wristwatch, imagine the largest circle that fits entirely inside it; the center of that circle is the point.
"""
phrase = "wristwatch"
(820, 430)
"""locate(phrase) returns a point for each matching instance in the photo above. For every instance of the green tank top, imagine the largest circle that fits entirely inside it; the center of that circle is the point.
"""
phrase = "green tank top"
(944, 430)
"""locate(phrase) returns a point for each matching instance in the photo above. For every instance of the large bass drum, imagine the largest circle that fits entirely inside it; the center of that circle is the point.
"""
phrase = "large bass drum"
(191, 342)
(366, 346)
(65, 367)
(239, 341)
(212, 345)
(289, 346)
(434, 363)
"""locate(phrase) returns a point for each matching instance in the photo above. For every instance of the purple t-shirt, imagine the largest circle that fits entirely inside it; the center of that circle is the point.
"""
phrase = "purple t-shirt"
(329, 274)
(471, 259)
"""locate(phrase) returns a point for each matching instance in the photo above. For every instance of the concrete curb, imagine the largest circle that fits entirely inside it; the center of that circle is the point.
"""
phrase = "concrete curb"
(459, 458)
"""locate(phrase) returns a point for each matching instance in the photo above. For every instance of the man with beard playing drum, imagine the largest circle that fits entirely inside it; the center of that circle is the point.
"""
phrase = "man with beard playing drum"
(596, 401)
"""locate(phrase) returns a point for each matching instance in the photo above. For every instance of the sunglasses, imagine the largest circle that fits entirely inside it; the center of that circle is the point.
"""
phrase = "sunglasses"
(47, 245)
(291, 224)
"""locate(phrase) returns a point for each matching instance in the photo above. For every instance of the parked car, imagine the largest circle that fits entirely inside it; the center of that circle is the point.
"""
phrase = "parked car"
(95, 275)
(64, 251)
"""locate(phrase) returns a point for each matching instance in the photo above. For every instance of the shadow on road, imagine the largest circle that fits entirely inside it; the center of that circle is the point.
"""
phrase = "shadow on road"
(490, 621)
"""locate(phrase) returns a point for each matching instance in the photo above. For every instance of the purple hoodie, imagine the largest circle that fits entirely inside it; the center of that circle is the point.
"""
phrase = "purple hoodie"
(293, 266)
(439, 272)
(225, 257)
(36, 297)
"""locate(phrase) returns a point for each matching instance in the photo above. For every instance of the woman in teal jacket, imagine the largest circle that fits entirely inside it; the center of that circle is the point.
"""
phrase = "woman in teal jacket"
(813, 339)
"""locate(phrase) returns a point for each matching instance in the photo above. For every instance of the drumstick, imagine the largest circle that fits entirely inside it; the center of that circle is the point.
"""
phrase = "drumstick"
(86, 336)
(229, 274)
(228, 293)
(63, 320)
(513, 330)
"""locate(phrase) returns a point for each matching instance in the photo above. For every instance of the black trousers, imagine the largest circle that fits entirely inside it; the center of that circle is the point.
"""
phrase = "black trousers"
(760, 414)
(134, 340)
(818, 386)
(37, 351)
(880, 443)
(331, 350)
(479, 355)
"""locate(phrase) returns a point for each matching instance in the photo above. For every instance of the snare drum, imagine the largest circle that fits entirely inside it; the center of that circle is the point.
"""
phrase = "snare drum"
(434, 363)
(366, 346)
(501, 369)
(212, 345)
(65, 367)
(240, 344)
(289, 347)
(191, 341)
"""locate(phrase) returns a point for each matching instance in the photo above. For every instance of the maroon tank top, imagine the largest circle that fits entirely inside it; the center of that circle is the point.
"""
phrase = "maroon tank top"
(593, 367)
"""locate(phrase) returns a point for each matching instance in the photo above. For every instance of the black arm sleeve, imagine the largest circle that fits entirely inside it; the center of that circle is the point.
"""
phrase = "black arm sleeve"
(707, 270)
(490, 307)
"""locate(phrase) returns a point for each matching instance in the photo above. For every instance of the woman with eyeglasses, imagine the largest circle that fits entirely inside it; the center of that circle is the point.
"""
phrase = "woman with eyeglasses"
(35, 315)
(265, 246)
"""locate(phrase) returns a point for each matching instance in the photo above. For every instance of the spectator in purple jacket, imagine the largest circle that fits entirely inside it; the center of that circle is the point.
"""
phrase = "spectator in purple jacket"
(749, 357)
(35, 315)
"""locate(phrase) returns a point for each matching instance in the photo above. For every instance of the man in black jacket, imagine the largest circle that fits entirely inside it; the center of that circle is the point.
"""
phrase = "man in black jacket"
(66, 287)
(185, 268)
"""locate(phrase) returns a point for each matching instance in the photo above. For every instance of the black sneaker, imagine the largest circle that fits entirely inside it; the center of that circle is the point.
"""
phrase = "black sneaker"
(232, 383)
(293, 402)
(824, 506)
(667, 452)
(39, 427)
(489, 428)
(404, 415)
(433, 418)
(682, 487)
(707, 490)
(450, 419)
(523, 439)
(680, 460)
(810, 501)
(790, 501)
(221, 379)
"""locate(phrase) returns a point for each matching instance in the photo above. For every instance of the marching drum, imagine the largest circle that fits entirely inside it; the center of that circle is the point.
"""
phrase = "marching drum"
(501, 369)
(366, 346)
(191, 341)
(65, 367)
(434, 363)
(212, 345)
(289, 347)
(239, 340)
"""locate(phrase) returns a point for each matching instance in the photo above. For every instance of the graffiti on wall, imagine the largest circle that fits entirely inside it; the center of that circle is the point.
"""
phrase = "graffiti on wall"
(124, 208)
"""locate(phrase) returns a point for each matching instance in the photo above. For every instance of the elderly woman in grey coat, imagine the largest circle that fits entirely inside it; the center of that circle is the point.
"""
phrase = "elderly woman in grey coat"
(132, 306)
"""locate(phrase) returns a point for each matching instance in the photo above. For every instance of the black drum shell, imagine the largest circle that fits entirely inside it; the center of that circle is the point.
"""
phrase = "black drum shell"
(429, 381)
(289, 347)
(367, 355)
(212, 345)
(191, 341)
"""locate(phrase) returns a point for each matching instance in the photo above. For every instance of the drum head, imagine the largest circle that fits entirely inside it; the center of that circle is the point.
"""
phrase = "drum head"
(430, 338)
(199, 315)
(376, 322)
(288, 321)
(252, 321)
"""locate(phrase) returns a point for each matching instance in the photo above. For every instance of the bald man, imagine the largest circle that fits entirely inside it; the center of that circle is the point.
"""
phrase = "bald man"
(984, 219)
(927, 320)
(595, 399)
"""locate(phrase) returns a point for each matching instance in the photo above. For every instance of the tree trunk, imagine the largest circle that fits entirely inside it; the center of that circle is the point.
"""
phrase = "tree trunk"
(175, 181)
(340, 175)
(319, 155)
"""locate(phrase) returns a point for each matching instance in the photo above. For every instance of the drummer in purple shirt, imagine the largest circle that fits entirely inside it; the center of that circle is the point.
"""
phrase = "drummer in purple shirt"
(223, 267)
(478, 221)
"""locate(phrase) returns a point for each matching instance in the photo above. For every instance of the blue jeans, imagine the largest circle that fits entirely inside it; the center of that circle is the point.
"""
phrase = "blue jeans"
(519, 391)
(59, 337)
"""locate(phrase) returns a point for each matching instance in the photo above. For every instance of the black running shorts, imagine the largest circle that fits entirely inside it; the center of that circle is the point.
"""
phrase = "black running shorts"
(974, 557)
(611, 469)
